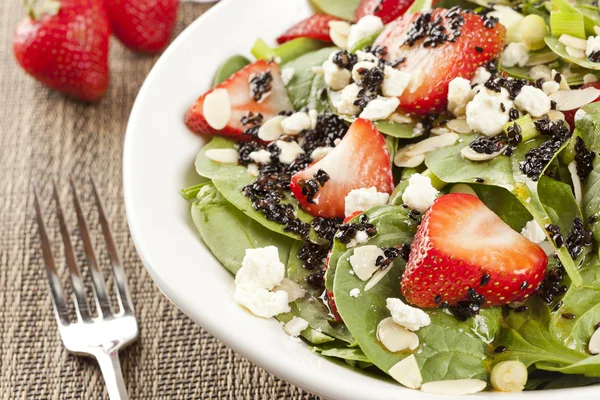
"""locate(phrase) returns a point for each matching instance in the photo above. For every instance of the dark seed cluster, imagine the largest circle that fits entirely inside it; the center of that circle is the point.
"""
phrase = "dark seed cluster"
(345, 60)
(537, 158)
(488, 20)
(310, 187)
(578, 238)
(465, 309)
(584, 159)
(552, 286)
(405, 251)
(487, 145)
(329, 128)
(556, 236)
(512, 86)
(436, 31)
(389, 255)
(347, 232)
(260, 85)
(594, 56)
(252, 119)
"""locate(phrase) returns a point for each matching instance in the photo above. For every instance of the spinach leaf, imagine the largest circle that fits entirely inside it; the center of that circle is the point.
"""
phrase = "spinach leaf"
(545, 380)
(347, 353)
(589, 366)
(503, 204)
(559, 202)
(343, 9)
(449, 349)
(310, 334)
(450, 166)
(311, 307)
(210, 169)
(232, 65)
(211, 212)
(390, 128)
(305, 87)
(588, 125)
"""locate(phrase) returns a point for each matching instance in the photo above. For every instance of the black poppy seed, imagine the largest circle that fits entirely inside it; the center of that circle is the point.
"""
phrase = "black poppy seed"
(569, 316)
(363, 218)
(484, 279)
(578, 238)
(584, 159)
(502, 107)
(523, 285)
(557, 306)
(371, 230)
(379, 260)
(479, 180)
(558, 240)
(490, 22)
(345, 60)
(479, 49)
(405, 251)
(415, 215)
(552, 228)
(513, 114)
(252, 119)
(444, 304)
(438, 299)
(592, 219)
(521, 309)
(557, 78)
(552, 105)
(500, 349)
(594, 56)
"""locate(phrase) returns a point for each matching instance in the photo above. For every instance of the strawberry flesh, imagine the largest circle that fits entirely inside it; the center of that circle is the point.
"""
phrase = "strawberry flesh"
(360, 160)
(443, 44)
(387, 10)
(314, 27)
(242, 102)
(461, 246)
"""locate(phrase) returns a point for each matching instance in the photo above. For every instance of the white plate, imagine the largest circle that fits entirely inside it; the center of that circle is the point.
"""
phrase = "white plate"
(158, 162)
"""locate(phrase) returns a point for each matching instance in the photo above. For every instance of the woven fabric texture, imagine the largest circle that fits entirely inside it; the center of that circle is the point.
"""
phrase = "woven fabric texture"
(42, 136)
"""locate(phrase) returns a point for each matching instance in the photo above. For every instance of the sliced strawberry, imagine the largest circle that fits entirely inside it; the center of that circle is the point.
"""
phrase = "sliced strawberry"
(462, 245)
(439, 61)
(314, 27)
(570, 114)
(360, 160)
(242, 101)
(387, 10)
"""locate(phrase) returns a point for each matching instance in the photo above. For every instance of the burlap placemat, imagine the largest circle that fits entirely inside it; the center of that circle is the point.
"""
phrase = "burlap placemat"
(44, 135)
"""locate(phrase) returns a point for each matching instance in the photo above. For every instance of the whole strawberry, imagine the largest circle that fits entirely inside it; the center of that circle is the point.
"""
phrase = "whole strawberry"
(64, 45)
(144, 26)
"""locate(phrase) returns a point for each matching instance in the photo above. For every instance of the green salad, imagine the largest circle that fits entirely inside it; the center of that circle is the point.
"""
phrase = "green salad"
(414, 188)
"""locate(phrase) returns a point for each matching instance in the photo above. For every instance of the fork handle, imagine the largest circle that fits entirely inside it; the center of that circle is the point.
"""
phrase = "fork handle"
(113, 377)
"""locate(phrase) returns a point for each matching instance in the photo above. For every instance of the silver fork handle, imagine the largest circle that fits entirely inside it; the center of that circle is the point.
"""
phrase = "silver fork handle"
(113, 377)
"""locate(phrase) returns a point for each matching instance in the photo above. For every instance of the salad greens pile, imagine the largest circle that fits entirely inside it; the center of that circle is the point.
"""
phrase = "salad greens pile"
(550, 337)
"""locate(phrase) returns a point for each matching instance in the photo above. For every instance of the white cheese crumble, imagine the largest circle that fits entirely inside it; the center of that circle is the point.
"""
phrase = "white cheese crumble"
(364, 56)
(296, 123)
(223, 156)
(289, 151)
(364, 199)
(534, 232)
(459, 94)
(354, 292)
(295, 326)
(419, 194)
(253, 169)
(592, 45)
(217, 108)
(366, 26)
(335, 77)
(347, 98)
(261, 271)
(550, 87)
(380, 108)
(260, 156)
(363, 261)
(320, 152)
(481, 76)
(360, 238)
(540, 71)
(314, 117)
(484, 112)
(287, 74)
(407, 316)
(338, 32)
(533, 100)
(515, 54)
(394, 82)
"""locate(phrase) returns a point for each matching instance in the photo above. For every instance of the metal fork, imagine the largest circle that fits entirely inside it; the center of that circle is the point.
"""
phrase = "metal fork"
(103, 336)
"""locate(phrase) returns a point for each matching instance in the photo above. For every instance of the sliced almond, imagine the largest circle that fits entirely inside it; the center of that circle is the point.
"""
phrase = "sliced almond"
(217, 108)
(576, 182)
(470, 154)
(542, 58)
(571, 99)
(572, 41)
(590, 78)
(454, 387)
(407, 372)
(377, 276)
(338, 32)
(296, 123)
(594, 345)
(272, 129)
(459, 126)
(432, 143)
(400, 118)
(363, 261)
(293, 290)
(253, 169)
(575, 53)
(439, 130)
(555, 115)
(223, 156)
(462, 188)
(395, 337)
(403, 161)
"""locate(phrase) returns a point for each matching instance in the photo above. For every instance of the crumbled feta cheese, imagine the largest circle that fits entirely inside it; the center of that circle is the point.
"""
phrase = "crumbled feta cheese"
(364, 199)
(217, 108)
(364, 56)
(354, 292)
(407, 316)
(550, 87)
(347, 98)
(363, 261)
(540, 71)
(223, 156)
(295, 326)
(366, 26)
(287, 74)
(271, 129)
(320, 152)
(419, 194)
(394, 82)
(592, 45)
(459, 94)
(481, 76)
(360, 68)
(534, 232)
(335, 77)
(360, 238)
(260, 156)
(261, 271)
(533, 100)
(380, 108)
(289, 151)
(515, 54)
(296, 123)
(590, 78)
(484, 112)
(314, 117)
(253, 169)
(338, 32)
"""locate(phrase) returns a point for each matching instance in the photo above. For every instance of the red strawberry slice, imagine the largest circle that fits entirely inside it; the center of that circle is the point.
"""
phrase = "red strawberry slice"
(314, 27)
(242, 101)
(570, 114)
(360, 160)
(461, 245)
(439, 62)
(387, 10)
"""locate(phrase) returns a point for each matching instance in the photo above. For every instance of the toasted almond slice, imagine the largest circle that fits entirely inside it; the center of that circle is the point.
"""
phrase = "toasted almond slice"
(576, 182)
(459, 126)
(363, 261)
(571, 99)
(454, 387)
(594, 345)
(572, 41)
(432, 143)
(462, 188)
(575, 53)
(395, 337)
(400, 118)
(272, 129)
(223, 156)
(407, 372)
(217, 109)
(377, 276)
(542, 58)
(338, 32)
(472, 155)
(293, 290)
(590, 78)
(253, 169)
(403, 161)
(509, 376)
(439, 130)
(555, 115)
